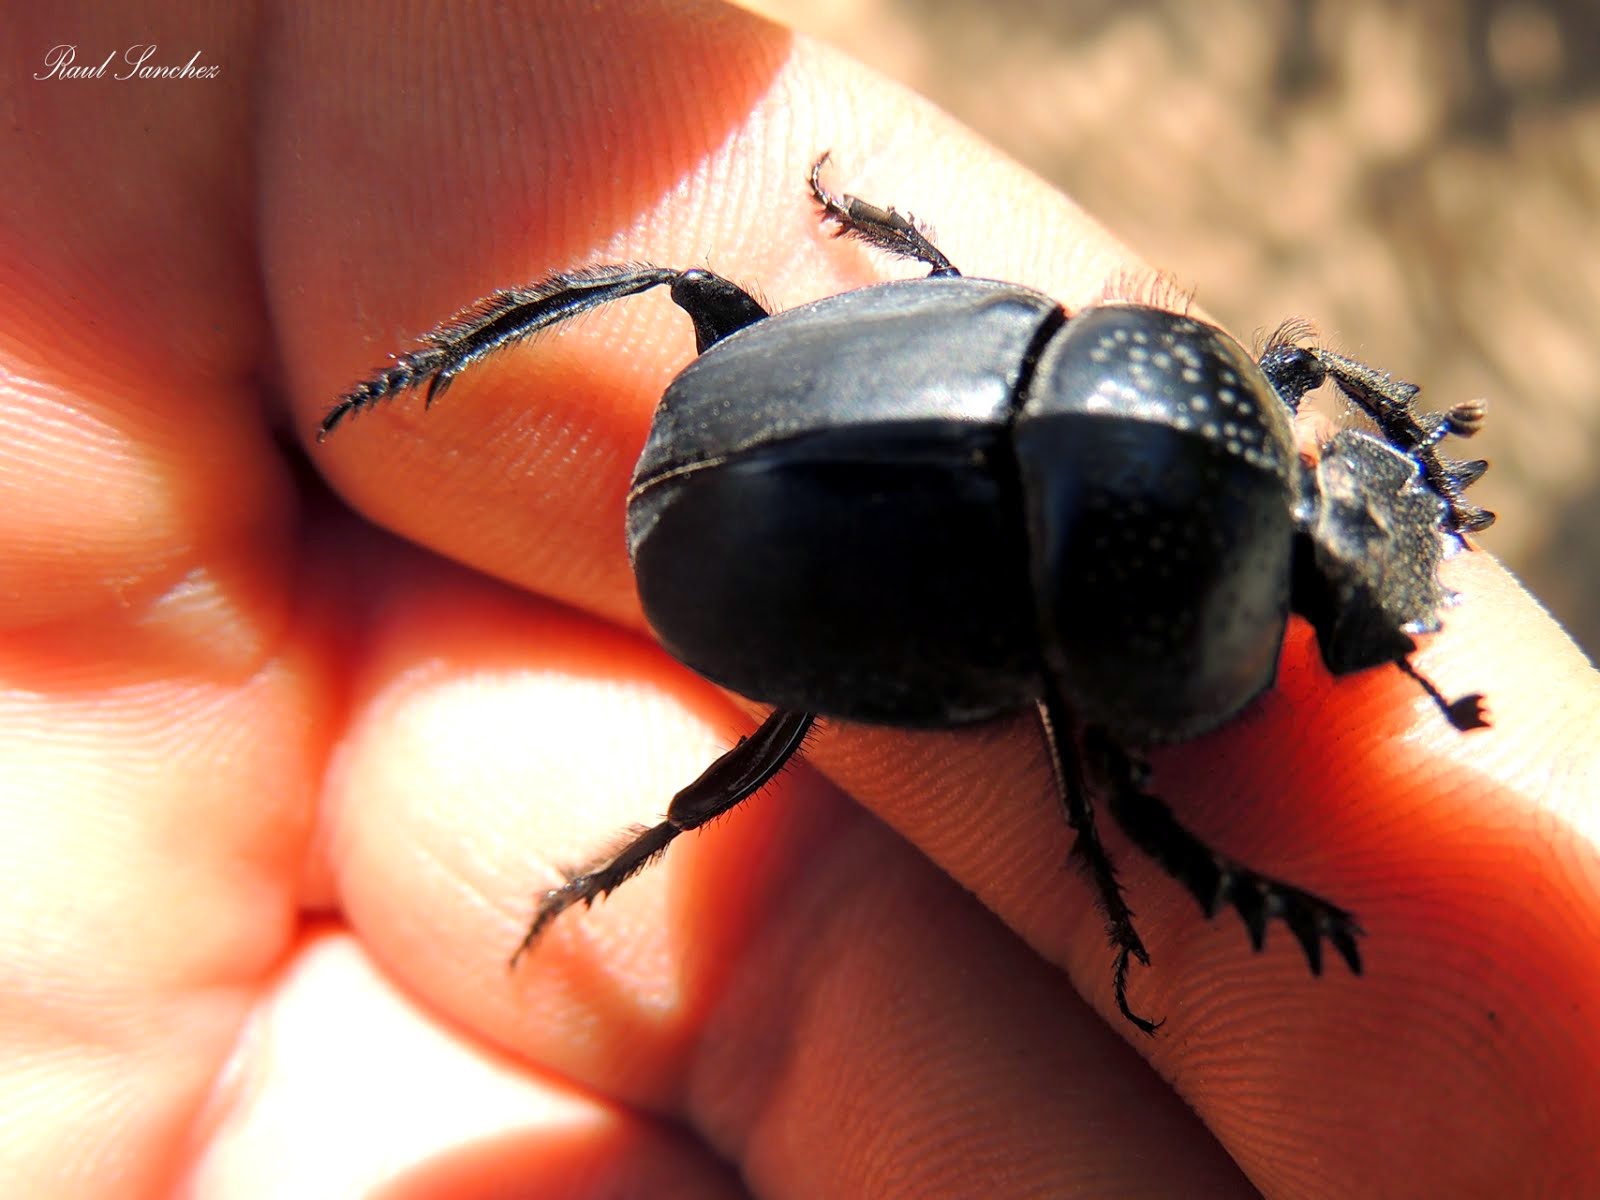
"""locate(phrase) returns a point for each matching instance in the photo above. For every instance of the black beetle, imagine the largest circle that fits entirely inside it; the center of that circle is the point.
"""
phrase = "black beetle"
(934, 501)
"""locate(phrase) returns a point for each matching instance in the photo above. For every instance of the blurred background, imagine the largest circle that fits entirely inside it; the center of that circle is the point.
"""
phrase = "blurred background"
(1421, 180)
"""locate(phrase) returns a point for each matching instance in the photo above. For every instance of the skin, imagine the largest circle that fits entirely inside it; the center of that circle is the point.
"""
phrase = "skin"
(291, 734)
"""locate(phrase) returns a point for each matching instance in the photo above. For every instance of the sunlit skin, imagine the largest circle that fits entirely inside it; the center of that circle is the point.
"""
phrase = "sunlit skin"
(293, 735)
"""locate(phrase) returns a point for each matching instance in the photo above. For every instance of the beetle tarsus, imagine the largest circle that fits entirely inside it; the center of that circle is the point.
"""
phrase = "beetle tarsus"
(1119, 986)
(599, 879)
(884, 228)
(1056, 724)
(735, 776)
(1212, 878)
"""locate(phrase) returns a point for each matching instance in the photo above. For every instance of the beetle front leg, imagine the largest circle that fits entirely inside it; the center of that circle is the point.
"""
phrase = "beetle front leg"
(735, 776)
(1214, 879)
(1293, 370)
(1391, 403)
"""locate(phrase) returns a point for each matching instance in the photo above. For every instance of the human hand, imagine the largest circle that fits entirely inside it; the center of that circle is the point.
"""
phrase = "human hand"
(279, 786)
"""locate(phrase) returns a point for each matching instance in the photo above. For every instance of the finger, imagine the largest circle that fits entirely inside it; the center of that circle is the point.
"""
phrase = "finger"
(343, 1087)
(636, 983)
(541, 542)
(804, 989)
(158, 728)
(1476, 889)
(1465, 865)
(522, 470)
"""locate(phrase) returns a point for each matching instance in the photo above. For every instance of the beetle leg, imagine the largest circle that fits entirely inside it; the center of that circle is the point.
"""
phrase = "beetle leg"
(1214, 879)
(1294, 370)
(1391, 402)
(717, 307)
(889, 231)
(735, 776)
(1090, 852)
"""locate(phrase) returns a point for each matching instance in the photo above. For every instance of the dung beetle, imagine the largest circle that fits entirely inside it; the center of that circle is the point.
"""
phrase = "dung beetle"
(934, 501)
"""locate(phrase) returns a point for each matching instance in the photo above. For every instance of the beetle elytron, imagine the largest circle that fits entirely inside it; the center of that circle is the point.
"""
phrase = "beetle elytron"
(934, 501)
